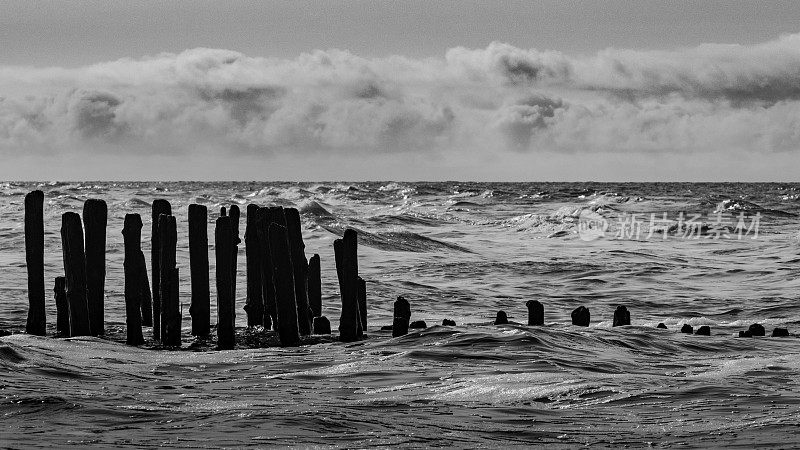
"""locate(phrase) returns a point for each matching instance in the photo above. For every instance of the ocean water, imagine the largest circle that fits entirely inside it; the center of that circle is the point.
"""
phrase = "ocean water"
(461, 251)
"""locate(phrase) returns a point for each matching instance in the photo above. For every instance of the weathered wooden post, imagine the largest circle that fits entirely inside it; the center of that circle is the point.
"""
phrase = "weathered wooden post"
(75, 270)
(255, 294)
(170, 304)
(62, 307)
(315, 286)
(283, 276)
(501, 318)
(362, 303)
(234, 214)
(95, 220)
(267, 216)
(160, 206)
(200, 308)
(226, 333)
(34, 260)
(402, 315)
(346, 251)
(622, 317)
(299, 269)
(535, 312)
(581, 316)
(132, 235)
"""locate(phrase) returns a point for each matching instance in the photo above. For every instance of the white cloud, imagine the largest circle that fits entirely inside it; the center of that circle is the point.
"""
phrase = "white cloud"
(491, 100)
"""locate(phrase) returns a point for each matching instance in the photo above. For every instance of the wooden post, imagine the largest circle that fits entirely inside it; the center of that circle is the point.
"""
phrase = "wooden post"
(299, 268)
(160, 206)
(402, 315)
(580, 316)
(501, 318)
(535, 312)
(132, 235)
(226, 333)
(255, 294)
(200, 308)
(75, 270)
(170, 305)
(267, 216)
(362, 303)
(621, 317)
(314, 286)
(346, 251)
(283, 276)
(62, 307)
(234, 213)
(322, 325)
(95, 220)
(34, 260)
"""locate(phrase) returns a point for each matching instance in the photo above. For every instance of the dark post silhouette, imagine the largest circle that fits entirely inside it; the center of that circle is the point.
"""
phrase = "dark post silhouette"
(255, 294)
(448, 323)
(535, 312)
(402, 315)
(62, 308)
(780, 332)
(34, 260)
(687, 329)
(75, 270)
(581, 316)
(322, 325)
(267, 216)
(621, 317)
(362, 303)
(704, 330)
(757, 330)
(299, 269)
(283, 276)
(346, 251)
(160, 206)
(200, 308)
(226, 336)
(234, 213)
(314, 286)
(132, 234)
(501, 319)
(95, 220)
(170, 305)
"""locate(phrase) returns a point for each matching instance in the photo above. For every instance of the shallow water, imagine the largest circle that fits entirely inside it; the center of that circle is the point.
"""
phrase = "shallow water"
(454, 250)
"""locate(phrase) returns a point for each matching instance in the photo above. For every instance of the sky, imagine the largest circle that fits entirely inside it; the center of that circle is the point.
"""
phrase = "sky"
(400, 90)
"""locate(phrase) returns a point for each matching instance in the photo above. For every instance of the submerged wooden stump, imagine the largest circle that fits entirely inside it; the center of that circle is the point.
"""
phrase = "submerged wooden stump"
(346, 250)
(223, 243)
(255, 294)
(288, 330)
(315, 286)
(622, 317)
(581, 316)
(402, 315)
(160, 206)
(535, 312)
(132, 235)
(322, 325)
(501, 319)
(75, 270)
(62, 307)
(95, 220)
(34, 261)
(299, 269)
(170, 305)
(704, 330)
(200, 308)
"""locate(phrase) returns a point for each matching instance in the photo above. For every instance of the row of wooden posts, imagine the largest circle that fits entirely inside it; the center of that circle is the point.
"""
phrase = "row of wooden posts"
(284, 289)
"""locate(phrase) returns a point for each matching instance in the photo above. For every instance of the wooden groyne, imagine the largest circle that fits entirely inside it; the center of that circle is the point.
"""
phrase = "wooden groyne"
(283, 293)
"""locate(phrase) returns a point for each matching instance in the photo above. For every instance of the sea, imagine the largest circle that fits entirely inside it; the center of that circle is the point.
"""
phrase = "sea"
(723, 255)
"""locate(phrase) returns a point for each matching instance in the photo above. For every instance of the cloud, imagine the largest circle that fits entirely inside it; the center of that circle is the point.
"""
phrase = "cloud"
(492, 100)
